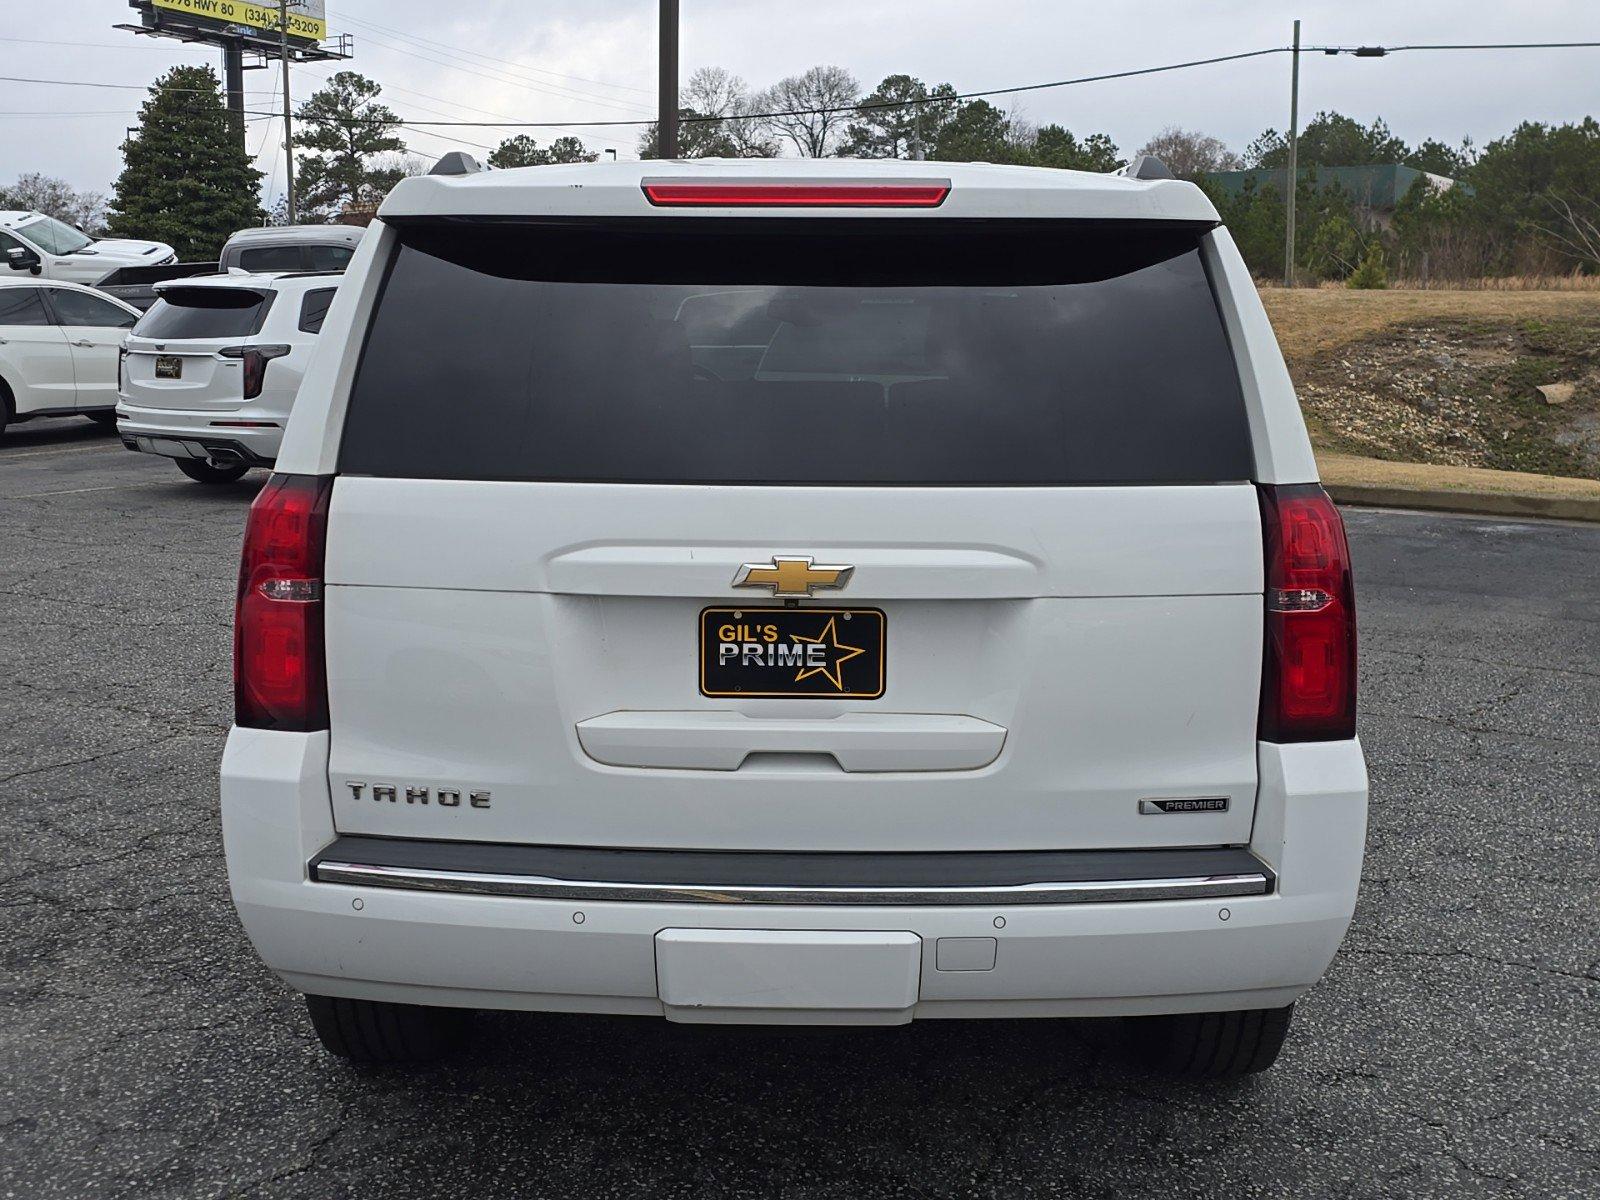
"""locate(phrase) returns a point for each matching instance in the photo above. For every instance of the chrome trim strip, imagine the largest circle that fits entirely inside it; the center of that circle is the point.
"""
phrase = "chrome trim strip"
(537, 886)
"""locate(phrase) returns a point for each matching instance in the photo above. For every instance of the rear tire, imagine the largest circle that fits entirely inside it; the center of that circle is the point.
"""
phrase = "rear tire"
(1218, 1045)
(203, 472)
(103, 418)
(382, 1033)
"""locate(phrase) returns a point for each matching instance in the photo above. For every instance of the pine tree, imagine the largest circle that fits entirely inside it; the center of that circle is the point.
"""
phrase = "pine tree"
(1372, 273)
(522, 151)
(187, 179)
(354, 140)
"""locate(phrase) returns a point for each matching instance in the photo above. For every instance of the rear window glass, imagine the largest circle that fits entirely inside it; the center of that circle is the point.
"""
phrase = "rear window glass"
(799, 352)
(210, 312)
(314, 309)
(328, 258)
(272, 258)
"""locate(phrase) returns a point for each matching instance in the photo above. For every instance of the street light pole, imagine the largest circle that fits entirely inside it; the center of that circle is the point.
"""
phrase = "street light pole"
(667, 116)
(288, 130)
(1292, 182)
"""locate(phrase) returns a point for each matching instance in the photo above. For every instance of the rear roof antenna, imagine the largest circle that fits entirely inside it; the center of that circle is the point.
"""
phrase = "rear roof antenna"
(457, 162)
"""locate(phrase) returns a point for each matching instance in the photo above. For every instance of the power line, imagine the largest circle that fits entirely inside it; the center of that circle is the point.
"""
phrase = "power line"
(422, 41)
(796, 112)
(873, 106)
(140, 45)
(389, 87)
(1380, 51)
(103, 112)
(250, 119)
(127, 87)
(266, 133)
(481, 71)
(378, 122)
(858, 107)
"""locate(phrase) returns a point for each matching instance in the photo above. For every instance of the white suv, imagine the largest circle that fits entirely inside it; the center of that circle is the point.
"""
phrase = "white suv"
(58, 350)
(210, 373)
(797, 592)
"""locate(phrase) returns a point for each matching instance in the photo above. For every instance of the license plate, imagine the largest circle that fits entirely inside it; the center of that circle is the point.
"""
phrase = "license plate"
(771, 652)
(169, 366)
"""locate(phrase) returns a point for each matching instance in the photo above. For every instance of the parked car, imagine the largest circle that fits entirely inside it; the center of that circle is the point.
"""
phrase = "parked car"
(798, 592)
(40, 245)
(275, 248)
(292, 248)
(58, 350)
(210, 373)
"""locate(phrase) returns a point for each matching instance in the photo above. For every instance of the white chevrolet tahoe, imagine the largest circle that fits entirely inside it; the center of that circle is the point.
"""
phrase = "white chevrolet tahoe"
(814, 592)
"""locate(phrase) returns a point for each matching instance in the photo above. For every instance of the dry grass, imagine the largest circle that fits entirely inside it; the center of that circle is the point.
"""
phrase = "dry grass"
(1575, 282)
(1339, 468)
(1312, 321)
(1510, 283)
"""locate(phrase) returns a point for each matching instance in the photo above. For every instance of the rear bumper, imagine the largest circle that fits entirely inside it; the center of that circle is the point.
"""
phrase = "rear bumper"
(189, 434)
(580, 874)
(997, 956)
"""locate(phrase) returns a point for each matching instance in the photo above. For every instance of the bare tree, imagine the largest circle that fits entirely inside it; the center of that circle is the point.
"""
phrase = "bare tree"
(57, 198)
(1575, 226)
(822, 102)
(1021, 133)
(714, 92)
(1189, 153)
(400, 165)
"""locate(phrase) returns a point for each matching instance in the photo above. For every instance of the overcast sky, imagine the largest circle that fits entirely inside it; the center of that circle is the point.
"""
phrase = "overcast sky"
(595, 59)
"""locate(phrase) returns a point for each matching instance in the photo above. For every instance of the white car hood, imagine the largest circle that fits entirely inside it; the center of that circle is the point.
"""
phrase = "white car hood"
(128, 252)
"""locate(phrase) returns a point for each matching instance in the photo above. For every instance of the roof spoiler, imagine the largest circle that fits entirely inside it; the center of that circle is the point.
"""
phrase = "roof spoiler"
(457, 162)
(1146, 166)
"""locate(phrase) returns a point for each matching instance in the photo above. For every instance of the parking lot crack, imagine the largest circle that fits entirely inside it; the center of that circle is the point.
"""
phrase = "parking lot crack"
(307, 1164)
(1588, 976)
(144, 744)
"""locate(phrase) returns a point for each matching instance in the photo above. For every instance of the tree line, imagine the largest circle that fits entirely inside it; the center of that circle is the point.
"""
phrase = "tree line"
(823, 112)
(1527, 203)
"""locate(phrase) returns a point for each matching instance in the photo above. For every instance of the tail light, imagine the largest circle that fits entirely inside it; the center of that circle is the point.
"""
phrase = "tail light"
(712, 193)
(122, 360)
(255, 360)
(280, 678)
(1308, 679)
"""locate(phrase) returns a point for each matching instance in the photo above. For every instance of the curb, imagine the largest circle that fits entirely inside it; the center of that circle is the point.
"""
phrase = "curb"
(1497, 504)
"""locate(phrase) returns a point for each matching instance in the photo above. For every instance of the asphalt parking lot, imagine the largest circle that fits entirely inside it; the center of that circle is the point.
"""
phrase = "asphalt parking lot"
(145, 1052)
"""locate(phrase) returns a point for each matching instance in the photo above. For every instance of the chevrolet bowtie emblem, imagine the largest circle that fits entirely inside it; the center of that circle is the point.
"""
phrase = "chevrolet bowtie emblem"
(792, 575)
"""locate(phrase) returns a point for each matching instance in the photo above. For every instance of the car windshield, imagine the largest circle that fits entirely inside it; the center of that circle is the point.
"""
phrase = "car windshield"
(53, 236)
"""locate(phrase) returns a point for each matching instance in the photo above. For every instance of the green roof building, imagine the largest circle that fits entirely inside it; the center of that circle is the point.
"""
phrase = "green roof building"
(1376, 189)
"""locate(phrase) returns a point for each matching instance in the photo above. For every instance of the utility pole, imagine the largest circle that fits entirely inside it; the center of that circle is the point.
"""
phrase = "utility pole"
(667, 116)
(1292, 183)
(288, 131)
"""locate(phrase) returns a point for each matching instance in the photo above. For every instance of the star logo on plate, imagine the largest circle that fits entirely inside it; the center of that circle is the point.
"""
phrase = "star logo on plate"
(838, 654)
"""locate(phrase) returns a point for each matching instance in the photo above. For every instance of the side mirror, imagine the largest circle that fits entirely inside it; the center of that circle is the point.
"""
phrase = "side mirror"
(22, 259)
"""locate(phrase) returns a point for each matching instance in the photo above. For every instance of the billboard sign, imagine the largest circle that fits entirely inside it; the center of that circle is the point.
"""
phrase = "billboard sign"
(308, 19)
